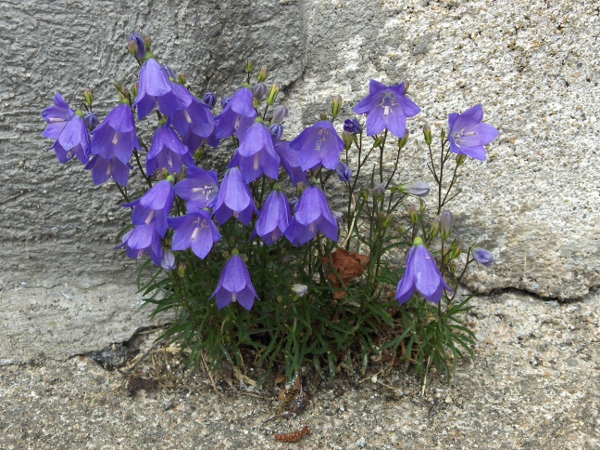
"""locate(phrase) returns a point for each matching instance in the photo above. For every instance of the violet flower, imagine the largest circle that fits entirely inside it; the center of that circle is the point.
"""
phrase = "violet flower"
(256, 154)
(418, 189)
(116, 135)
(137, 46)
(234, 199)
(199, 189)
(59, 112)
(193, 120)
(155, 88)
(195, 230)
(141, 240)
(235, 285)
(386, 107)
(318, 145)
(274, 218)
(290, 162)
(421, 274)
(168, 261)
(483, 256)
(167, 151)
(154, 207)
(105, 169)
(237, 116)
(344, 172)
(468, 135)
(73, 140)
(311, 216)
(352, 126)
(210, 98)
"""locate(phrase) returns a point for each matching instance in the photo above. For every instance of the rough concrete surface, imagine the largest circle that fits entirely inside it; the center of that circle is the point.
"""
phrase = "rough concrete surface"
(535, 67)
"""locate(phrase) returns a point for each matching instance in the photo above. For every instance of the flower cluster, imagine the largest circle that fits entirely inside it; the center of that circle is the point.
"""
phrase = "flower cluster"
(187, 206)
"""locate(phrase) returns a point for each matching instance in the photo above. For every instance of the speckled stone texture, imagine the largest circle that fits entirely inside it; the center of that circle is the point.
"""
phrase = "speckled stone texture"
(533, 65)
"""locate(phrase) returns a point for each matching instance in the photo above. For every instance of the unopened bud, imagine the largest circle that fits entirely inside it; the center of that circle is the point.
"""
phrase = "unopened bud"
(181, 270)
(460, 159)
(336, 106)
(443, 134)
(249, 66)
(483, 256)
(402, 141)
(210, 98)
(137, 46)
(455, 250)
(263, 73)
(419, 189)
(348, 139)
(259, 91)
(446, 222)
(279, 114)
(378, 190)
(134, 89)
(148, 43)
(118, 86)
(427, 134)
(300, 289)
(273, 92)
(168, 261)
(88, 96)
(182, 79)
(91, 120)
(434, 231)
(378, 142)
(413, 214)
(323, 116)
(276, 130)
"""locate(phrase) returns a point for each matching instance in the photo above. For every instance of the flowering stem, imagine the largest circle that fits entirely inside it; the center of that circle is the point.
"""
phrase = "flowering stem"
(123, 193)
(381, 148)
(469, 261)
(139, 164)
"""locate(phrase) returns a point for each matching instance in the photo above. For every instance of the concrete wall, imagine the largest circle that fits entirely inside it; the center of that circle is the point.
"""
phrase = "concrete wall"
(533, 65)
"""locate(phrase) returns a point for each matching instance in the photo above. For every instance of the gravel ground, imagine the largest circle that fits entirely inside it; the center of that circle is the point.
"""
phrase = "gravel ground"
(532, 384)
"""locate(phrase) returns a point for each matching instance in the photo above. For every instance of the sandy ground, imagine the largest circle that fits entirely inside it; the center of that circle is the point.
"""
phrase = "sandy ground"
(532, 384)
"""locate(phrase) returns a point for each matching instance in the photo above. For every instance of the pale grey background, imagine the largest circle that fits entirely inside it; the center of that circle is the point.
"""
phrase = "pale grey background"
(533, 64)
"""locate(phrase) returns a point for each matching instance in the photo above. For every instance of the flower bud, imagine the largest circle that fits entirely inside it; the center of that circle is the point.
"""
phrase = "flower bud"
(344, 172)
(434, 231)
(134, 89)
(443, 134)
(88, 96)
(182, 79)
(352, 126)
(336, 106)
(275, 88)
(249, 66)
(419, 189)
(483, 256)
(259, 91)
(255, 103)
(387, 221)
(137, 46)
(168, 261)
(118, 86)
(181, 270)
(300, 289)
(378, 142)
(323, 116)
(210, 98)
(427, 134)
(455, 250)
(460, 159)
(224, 101)
(378, 190)
(402, 141)
(348, 139)
(446, 222)
(413, 214)
(279, 114)
(276, 130)
(263, 73)
(147, 43)
(91, 121)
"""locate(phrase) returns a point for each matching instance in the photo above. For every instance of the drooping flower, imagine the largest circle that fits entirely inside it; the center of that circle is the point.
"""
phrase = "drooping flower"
(195, 230)
(237, 116)
(105, 169)
(167, 151)
(446, 222)
(256, 154)
(153, 207)
(352, 126)
(387, 107)
(468, 135)
(199, 188)
(311, 216)
(234, 199)
(116, 135)
(235, 285)
(318, 145)
(422, 274)
(290, 162)
(193, 120)
(155, 88)
(141, 240)
(344, 172)
(274, 218)
(57, 117)
(280, 112)
(483, 256)
(73, 140)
